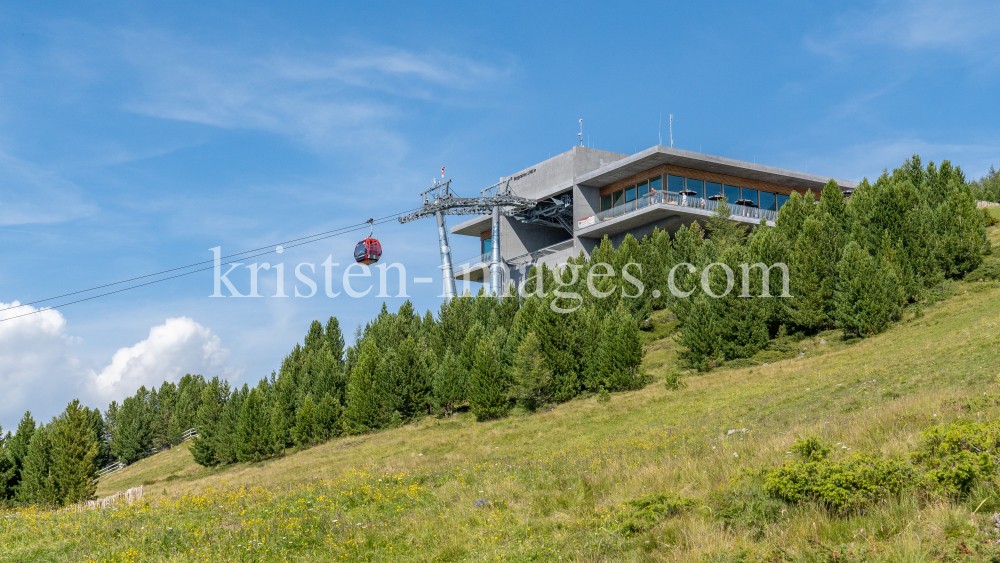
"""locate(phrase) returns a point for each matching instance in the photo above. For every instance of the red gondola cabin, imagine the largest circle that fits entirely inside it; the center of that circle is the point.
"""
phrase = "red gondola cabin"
(368, 251)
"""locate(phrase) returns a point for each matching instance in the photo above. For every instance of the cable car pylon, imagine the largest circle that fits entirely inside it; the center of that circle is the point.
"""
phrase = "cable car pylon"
(496, 200)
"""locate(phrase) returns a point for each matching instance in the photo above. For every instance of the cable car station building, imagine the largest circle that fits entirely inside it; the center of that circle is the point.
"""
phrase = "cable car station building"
(586, 194)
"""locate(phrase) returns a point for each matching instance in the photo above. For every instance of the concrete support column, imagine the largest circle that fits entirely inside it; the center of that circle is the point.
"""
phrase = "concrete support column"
(446, 270)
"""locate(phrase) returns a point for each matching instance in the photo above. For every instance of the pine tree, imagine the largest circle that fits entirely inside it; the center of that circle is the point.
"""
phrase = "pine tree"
(963, 233)
(530, 381)
(253, 433)
(305, 422)
(211, 403)
(793, 214)
(6, 467)
(165, 431)
(99, 429)
(226, 439)
(701, 338)
(470, 346)
(189, 391)
(450, 384)
(831, 202)
(327, 419)
(556, 334)
(868, 293)
(38, 484)
(522, 323)
(813, 276)
(315, 337)
(455, 318)
(408, 379)
(618, 353)
(336, 340)
(133, 430)
(73, 452)
(488, 379)
(16, 452)
(363, 391)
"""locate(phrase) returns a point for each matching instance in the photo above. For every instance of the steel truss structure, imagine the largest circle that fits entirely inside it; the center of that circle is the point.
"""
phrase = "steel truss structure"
(496, 200)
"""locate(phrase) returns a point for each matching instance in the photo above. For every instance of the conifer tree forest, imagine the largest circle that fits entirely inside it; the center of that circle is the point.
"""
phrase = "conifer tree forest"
(853, 265)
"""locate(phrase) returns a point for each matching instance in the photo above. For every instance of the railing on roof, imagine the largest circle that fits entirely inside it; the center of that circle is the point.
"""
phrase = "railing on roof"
(671, 198)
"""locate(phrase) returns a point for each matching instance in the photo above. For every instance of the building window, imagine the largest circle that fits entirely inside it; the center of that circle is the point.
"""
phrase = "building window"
(675, 184)
(767, 201)
(487, 245)
(642, 189)
(782, 200)
(711, 188)
(696, 186)
(618, 198)
(656, 184)
(630, 194)
(731, 193)
(605, 202)
(750, 194)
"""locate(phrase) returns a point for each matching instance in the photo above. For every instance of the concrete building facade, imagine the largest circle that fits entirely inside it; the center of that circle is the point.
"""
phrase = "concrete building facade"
(586, 194)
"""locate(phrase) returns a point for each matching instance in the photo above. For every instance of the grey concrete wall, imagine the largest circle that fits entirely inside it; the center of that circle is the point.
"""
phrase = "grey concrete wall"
(559, 171)
(517, 238)
(587, 200)
(538, 179)
(545, 179)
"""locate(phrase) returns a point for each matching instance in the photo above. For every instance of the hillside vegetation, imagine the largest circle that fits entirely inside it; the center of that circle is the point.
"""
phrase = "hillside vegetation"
(559, 484)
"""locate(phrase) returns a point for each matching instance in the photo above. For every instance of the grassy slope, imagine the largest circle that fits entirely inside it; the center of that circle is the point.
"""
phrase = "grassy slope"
(552, 484)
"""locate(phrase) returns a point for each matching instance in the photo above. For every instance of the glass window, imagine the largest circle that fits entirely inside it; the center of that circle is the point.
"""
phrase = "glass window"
(732, 193)
(782, 200)
(619, 198)
(642, 189)
(605, 202)
(711, 188)
(767, 201)
(750, 194)
(630, 194)
(656, 184)
(696, 186)
(487, 245)
(675, 184)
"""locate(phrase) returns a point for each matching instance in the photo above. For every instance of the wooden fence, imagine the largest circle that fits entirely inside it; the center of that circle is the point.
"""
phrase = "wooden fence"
(126, 498)
(119, 465)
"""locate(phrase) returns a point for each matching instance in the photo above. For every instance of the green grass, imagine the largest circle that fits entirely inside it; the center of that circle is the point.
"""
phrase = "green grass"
(559, 484)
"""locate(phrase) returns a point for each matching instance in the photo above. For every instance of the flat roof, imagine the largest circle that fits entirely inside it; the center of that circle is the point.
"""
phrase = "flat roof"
(631, 165)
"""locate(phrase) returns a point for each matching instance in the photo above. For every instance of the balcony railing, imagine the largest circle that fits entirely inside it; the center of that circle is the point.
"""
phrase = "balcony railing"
(670, 198)
(484, 258)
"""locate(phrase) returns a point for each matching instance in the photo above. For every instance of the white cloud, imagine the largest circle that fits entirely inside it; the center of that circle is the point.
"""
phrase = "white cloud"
(966, 26)
(176, 347)
(323, 100)
(29, 194)
(40, 371)
(36, 367)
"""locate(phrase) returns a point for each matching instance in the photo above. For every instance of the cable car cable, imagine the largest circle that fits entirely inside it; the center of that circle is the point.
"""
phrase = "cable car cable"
(338, 231)
(379, 221)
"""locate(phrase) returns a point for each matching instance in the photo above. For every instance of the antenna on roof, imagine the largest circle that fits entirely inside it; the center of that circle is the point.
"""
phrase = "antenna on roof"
(671, 130)
(659, 129)
(581, 132)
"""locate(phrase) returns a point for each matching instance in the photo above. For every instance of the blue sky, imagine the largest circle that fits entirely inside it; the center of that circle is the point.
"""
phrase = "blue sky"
(134, 137)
